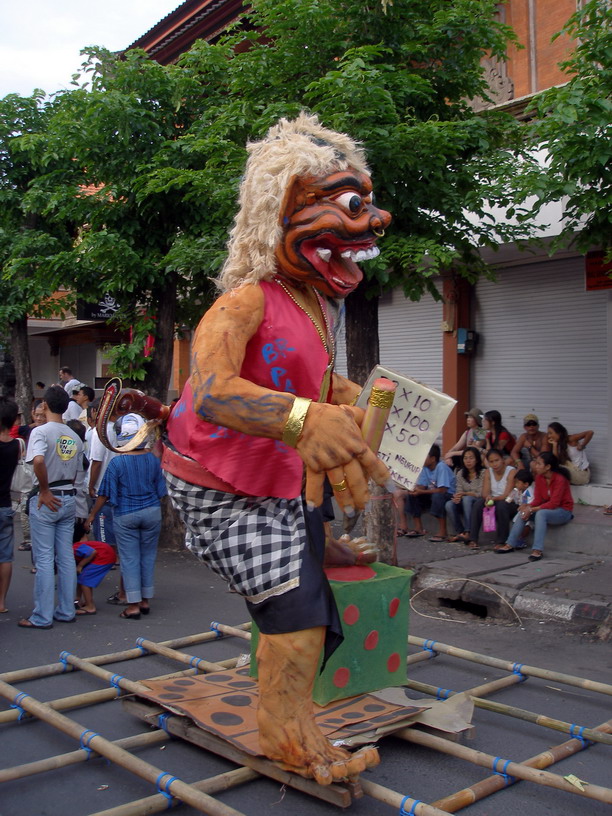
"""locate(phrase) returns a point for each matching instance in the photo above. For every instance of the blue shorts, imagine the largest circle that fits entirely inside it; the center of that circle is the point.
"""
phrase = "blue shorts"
(6, 534)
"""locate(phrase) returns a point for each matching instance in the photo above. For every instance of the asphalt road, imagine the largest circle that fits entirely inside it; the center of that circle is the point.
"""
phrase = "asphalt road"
(189, 598)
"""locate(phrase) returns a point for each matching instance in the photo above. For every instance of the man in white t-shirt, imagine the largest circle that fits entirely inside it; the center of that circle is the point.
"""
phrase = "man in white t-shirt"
(67, 380)
(55, 452)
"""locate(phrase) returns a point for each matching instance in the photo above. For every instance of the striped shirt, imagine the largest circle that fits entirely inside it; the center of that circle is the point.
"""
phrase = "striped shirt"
(133, 481)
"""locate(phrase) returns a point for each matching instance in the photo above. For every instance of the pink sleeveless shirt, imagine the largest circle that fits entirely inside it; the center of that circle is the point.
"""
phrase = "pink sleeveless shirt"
(285, 355)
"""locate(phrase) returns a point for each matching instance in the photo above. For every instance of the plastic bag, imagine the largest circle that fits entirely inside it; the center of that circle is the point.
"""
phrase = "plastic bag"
(489, 524)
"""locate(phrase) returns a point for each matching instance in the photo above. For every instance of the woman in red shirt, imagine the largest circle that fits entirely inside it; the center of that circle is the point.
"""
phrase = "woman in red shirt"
(498, 437)
(552, 504)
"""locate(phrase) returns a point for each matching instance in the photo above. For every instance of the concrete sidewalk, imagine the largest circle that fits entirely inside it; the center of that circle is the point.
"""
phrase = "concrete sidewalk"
(573, 582)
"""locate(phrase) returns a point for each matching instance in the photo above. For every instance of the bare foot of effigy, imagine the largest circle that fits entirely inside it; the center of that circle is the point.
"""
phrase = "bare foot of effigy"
(288, 734)
(346, 551)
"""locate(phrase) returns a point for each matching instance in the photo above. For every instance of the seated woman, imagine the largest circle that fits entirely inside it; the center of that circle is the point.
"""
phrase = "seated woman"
(569, 450)
(552, 504)
(498, 483)
(529, 444)
(498, 437)
(469, 488)
(473, 435)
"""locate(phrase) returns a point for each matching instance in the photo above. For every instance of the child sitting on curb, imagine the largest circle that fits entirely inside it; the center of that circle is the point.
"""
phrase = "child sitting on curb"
(522, 494)
(94, 559)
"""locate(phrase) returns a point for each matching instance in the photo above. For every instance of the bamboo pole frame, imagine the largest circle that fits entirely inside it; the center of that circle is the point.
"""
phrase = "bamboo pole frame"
(509, 666)
(173, 786)
(530, 770)
(36, 672)
(518, 713)
(516, 769)
(158, 802)
(479, 790)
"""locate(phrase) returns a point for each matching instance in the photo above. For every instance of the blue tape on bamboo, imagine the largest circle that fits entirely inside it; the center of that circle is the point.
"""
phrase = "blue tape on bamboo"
(430, 646)
(195, 662)
(510, 780)
(412, 811)
(162, 721)
(577, 731)
(84, 740)
(15, 704)
(64, 659)
(516, 669)
(115, 679)
(443, 694)
(163, 789)
(214, 627)
(139, 642)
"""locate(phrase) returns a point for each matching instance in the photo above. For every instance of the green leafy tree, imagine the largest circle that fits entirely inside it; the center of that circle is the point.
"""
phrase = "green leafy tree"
(147, 159)
(572, 124)
(143, 243)
(27, 238)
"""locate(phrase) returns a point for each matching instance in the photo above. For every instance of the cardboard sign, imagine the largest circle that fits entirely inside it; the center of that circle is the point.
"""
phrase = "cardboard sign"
(416, 419)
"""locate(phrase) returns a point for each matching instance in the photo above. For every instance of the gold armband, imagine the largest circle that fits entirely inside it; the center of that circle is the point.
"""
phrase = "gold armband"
(295, 421)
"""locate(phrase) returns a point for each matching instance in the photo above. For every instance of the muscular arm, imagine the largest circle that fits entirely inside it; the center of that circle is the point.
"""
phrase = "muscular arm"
(221, 395)
(515, 453)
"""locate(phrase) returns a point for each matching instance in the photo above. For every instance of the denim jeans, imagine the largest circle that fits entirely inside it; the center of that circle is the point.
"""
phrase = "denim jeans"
(541, 519)
(137, 535)
(6, 535)
(461, 513)
(421, 502)
(52, 545)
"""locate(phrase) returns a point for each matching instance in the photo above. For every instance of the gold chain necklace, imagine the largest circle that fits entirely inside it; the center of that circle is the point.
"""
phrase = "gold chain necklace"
(328, 344)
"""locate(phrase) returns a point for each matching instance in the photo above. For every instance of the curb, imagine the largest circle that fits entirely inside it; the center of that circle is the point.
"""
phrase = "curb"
(437, 586)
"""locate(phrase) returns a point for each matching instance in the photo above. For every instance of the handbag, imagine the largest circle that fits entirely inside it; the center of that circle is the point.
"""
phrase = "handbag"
(22, 475)
(489, 523)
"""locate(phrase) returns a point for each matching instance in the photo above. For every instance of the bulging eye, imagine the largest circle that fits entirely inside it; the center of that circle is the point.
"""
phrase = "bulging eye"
(351, 201)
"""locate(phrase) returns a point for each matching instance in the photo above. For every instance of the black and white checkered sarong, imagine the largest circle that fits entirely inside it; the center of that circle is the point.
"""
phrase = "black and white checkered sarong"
(255, 543)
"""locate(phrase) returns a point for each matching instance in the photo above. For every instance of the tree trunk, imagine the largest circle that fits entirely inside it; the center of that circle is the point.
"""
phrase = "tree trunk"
(362, 351)
(362, 354)
(172, 534)
(23, 372)
(158, 373)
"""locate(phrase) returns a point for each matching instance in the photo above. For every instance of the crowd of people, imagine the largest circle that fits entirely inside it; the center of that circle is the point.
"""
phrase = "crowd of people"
(78, 507)
(89, 508)
(495, 481)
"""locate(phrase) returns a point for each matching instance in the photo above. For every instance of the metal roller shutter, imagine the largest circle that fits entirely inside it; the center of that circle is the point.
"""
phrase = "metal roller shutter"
(543, 347)
(410, 338)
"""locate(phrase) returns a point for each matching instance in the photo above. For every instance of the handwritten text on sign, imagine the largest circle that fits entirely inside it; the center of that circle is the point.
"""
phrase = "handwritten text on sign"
(415, 421)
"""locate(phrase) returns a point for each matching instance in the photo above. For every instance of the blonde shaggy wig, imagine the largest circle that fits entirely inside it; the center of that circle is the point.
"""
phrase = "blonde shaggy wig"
(298, 147)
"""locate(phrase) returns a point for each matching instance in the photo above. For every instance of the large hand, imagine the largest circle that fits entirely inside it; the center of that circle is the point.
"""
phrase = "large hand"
(331, 443)
(47, 498)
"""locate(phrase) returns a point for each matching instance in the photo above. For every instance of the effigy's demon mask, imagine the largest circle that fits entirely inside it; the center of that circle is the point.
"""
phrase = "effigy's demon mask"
(330, 223)
(305, 210)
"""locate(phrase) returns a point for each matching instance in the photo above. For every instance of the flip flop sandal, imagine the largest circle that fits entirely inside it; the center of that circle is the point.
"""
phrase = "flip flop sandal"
(114, 600)
(27, 624)
(401, 532)
(437, 539)
(504, 549)
(414, 534)
(535, 556)
(472, 545)
(134, 616)
(84, 612)
(607, 511)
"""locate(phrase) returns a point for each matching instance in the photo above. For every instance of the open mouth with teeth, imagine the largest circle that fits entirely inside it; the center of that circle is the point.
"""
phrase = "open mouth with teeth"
(336, 260)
